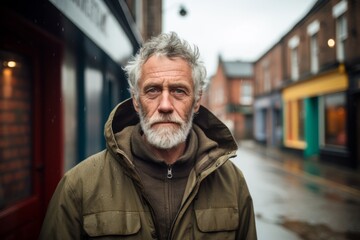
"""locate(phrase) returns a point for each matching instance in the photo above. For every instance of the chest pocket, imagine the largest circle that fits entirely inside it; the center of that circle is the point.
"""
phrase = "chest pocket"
(217, 219)
(112, 223)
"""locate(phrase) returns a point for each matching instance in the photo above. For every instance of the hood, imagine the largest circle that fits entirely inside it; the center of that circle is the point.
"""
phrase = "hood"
(124, 115)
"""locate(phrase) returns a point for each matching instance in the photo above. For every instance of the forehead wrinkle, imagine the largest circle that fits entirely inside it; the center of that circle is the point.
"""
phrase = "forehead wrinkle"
(164, 76)
(157, 71)
(162, 69)
(167, 83)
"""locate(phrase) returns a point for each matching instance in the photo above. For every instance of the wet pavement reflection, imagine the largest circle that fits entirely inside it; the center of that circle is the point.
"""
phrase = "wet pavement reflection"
(300, 199)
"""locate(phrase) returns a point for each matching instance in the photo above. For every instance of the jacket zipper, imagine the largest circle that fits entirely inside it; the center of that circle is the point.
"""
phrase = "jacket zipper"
(169, 172)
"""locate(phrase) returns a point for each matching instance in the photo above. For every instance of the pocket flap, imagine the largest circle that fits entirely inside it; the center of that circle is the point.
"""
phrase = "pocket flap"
(217, 219)
(112, 223)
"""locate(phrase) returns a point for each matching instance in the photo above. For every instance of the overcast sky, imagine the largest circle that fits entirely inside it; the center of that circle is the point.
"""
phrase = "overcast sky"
(235, 29)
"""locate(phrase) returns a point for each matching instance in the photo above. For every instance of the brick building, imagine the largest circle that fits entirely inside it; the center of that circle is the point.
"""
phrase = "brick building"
(319, 83)
(267, 104)
(230, 96)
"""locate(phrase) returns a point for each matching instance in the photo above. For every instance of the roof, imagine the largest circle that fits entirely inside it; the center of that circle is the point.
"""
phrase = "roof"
(234, 69)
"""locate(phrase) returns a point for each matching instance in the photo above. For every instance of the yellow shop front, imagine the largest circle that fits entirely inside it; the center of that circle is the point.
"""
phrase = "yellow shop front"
(315, 113)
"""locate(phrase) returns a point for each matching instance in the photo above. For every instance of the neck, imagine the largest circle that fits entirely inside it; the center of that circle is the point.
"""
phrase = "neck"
(169, 155)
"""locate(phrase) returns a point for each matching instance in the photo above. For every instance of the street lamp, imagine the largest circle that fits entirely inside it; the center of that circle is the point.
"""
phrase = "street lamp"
(182, 11)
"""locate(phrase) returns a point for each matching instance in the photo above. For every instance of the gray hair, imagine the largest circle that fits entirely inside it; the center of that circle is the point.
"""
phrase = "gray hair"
(169, 45)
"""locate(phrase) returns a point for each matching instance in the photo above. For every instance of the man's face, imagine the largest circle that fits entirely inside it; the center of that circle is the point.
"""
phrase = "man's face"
(166, 101)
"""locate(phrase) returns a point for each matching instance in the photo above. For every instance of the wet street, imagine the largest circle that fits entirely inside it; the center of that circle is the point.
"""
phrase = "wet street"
(298, 199)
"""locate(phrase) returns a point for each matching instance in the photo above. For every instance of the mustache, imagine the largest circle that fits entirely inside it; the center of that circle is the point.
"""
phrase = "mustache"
(164, 118)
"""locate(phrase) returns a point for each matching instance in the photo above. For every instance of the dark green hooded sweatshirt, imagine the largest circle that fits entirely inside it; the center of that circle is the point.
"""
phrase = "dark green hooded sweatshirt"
(113, 194)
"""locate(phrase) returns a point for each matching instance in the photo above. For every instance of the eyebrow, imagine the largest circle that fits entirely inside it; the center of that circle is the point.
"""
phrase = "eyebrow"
(181, 85)
(171, 85)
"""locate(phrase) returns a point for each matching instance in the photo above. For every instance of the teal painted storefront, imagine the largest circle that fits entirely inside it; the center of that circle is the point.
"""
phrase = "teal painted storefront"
(311, 127)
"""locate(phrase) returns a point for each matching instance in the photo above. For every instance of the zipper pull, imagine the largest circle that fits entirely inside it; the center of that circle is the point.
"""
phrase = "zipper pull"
(169, 172)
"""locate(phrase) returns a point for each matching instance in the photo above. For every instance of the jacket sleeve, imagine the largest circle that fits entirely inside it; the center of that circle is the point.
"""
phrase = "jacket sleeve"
(63, 216)
(247, 225)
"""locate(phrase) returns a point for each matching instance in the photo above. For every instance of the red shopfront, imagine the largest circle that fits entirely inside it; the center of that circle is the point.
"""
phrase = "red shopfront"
(30, 125)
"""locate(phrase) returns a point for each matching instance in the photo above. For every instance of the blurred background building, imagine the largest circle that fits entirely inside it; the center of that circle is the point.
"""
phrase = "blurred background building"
(230, 96)
(307, 86)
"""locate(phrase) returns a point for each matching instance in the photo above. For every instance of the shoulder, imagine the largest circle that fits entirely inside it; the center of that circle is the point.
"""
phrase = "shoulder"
(234, 173)
(96, 176)
(90, 170)
(230, 178)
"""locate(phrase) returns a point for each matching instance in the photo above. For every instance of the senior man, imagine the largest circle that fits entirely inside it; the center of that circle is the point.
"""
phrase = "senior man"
(165, 173)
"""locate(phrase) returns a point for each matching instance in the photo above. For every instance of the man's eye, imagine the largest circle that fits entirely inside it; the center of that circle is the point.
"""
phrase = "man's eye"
(152, 91)
(179, 91)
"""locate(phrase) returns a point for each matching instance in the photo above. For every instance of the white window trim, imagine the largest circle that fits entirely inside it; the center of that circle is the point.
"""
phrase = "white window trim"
(294, 55)
(246, 99)
(340, 8)
(340, 48)
(314, 57)
(294, 42)
(313, 28)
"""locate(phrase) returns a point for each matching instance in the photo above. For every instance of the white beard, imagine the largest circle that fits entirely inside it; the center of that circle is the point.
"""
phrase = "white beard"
(165, 137)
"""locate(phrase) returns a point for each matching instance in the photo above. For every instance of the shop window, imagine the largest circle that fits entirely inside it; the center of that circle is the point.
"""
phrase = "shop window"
(294, 124)
(334, 120)
(278, 125)
(301, 120)
(16, 111)
(69, 91)
(289, 121)
(93, 113)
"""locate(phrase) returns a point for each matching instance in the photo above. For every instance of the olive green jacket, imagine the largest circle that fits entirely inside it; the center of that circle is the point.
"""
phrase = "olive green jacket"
(102, 196)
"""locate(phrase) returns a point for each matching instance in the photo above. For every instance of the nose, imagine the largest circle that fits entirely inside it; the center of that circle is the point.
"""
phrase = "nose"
(165, 105)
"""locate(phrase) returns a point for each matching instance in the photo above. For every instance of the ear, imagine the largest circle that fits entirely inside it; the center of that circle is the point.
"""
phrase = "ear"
(197, 104)
(135, 103)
